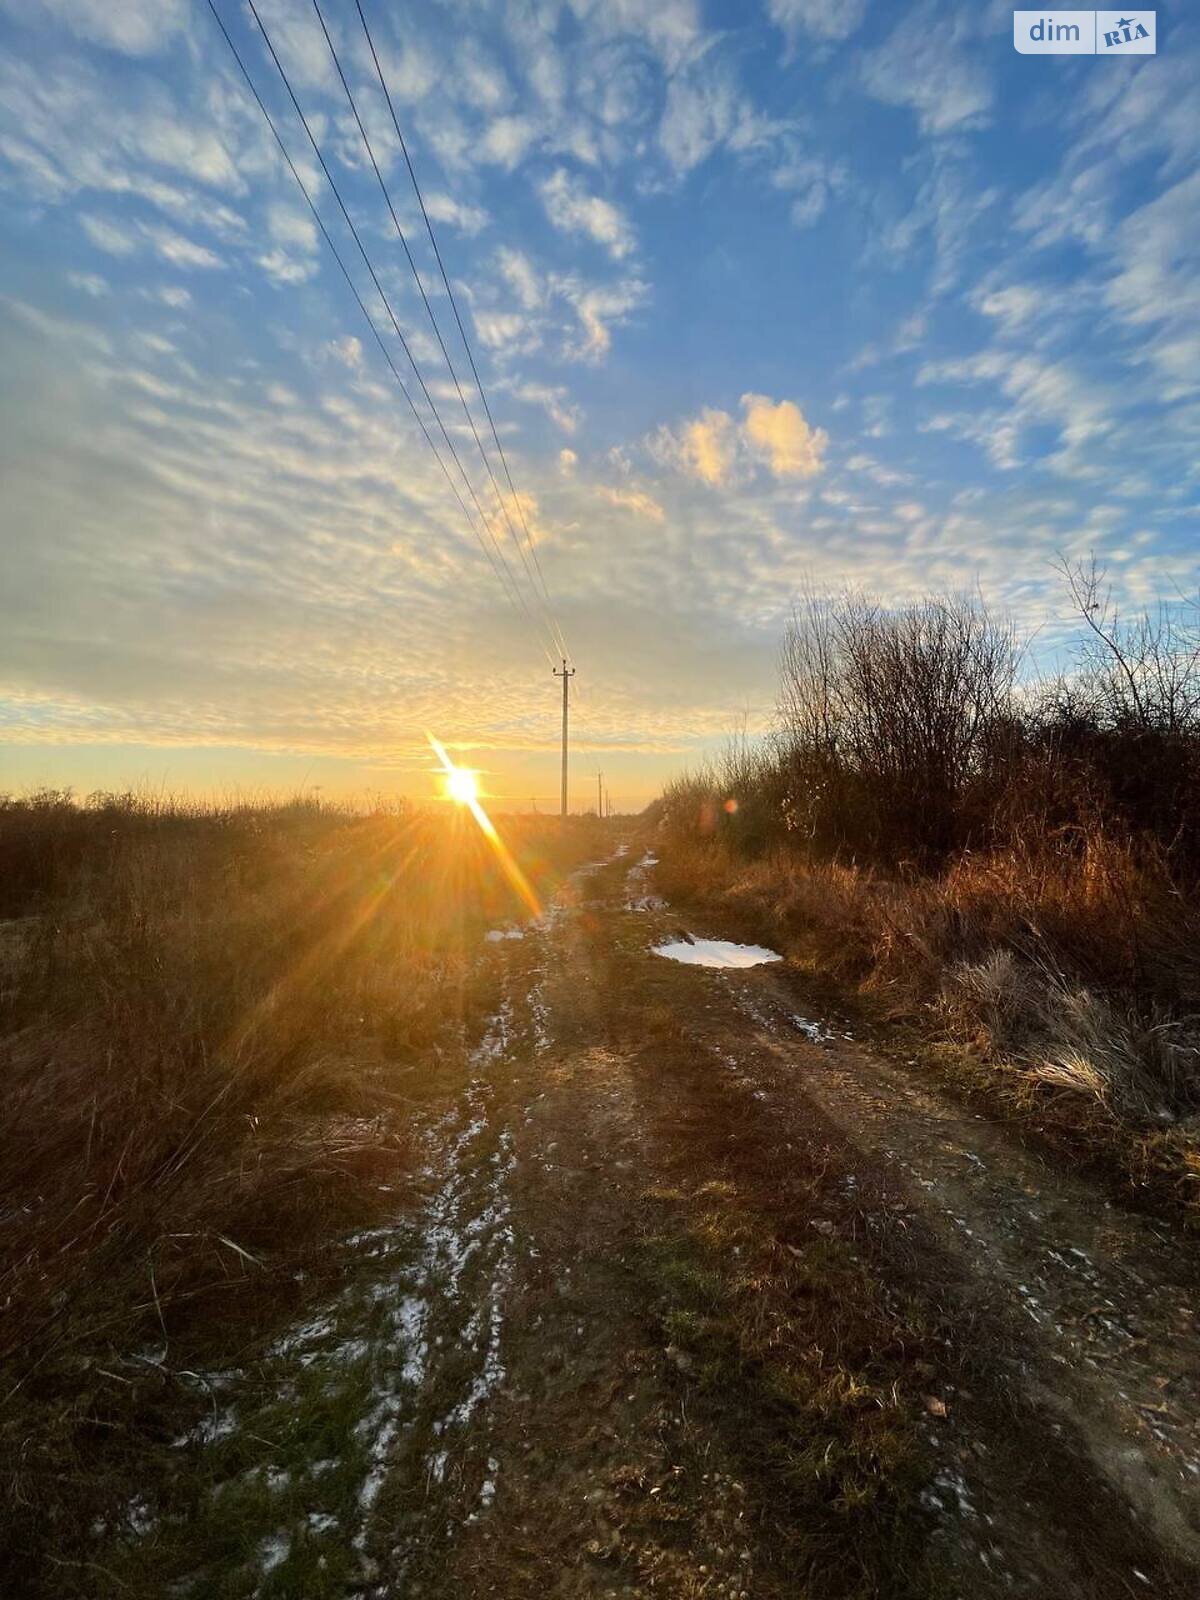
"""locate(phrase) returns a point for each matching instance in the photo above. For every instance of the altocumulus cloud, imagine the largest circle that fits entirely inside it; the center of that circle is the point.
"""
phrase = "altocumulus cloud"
(572, 209)
(779, 433)
(714, 446)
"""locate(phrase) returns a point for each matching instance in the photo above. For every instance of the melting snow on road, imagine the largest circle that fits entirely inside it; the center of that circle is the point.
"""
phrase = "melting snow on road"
(716, 953)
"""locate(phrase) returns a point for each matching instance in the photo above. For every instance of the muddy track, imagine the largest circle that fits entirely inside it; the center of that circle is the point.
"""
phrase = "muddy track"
(701, 1298)
(1110, 1297)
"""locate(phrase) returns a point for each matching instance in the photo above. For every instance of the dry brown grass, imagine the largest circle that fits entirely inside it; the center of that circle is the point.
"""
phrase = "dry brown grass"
(1070, 989)
(215, 1027)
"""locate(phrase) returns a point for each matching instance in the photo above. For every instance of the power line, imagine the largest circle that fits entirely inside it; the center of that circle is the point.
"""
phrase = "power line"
(555, 634)
(458, 319)
(345, 271)
(379, 289)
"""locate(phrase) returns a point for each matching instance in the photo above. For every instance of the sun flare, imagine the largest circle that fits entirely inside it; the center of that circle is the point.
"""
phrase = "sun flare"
(462, 785)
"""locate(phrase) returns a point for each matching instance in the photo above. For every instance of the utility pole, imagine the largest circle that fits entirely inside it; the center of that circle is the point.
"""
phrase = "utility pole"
(566, 674)
(599, 794)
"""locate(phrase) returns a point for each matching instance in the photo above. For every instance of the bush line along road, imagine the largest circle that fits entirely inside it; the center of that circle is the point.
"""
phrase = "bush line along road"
(679, 1286)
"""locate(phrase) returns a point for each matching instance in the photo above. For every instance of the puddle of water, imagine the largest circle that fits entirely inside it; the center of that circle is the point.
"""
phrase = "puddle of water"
(495, 935)
(716, 953)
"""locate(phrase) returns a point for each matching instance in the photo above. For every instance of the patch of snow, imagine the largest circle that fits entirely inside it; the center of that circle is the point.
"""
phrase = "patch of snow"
(495, 935)
(948, 1491)
(716, 953)
(274, 1550)
(810, 1030)
(219, 1424)
(141, 1519)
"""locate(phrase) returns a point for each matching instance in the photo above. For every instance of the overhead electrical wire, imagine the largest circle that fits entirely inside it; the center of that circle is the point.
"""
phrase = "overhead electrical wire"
(458, 318)
(544, 600)
(399, 332)
(345, 271)
(494, 555)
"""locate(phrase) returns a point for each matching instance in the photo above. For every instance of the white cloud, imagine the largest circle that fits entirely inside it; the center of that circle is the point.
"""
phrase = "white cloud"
(553, 399)
(823, 19)
(292, 228)
(133, 27)
(923, 65)
(886, 477)
(294, 236)
(945, 215)
(109, 236)
(1052, 392)
(598, 307)
(116, 239)
(168, 141)
(1158, 252)
(521, 276)
(297, 36)
(283, 268)
(672, 29)
(498, 329)
(89, 283)
(348, 351)
(1013, 306)
(704, 110)
(810, 206)
(180, 251)
(62, 330)
(636, 501)
(572, 209)
(459, 214)
(507, 141)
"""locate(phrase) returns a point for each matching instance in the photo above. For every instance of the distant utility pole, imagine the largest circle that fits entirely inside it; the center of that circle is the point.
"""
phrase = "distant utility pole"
(566, 675)
(599, 794)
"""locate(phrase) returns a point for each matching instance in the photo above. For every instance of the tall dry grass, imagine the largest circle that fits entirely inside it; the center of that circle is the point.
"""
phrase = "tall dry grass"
(1019, 865)
(214, 1024)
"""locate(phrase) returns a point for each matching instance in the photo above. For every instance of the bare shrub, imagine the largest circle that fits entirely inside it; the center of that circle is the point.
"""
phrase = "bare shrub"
(890, 721)
(1140, 672)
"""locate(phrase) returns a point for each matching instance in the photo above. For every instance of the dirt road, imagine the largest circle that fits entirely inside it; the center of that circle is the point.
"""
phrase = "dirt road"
(702, 1298)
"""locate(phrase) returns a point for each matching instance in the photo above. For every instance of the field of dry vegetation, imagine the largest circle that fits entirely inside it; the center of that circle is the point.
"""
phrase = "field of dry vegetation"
(1010, 873)
(214, 1024)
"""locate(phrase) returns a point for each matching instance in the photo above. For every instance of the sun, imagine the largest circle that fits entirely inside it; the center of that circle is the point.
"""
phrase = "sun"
(461, 785)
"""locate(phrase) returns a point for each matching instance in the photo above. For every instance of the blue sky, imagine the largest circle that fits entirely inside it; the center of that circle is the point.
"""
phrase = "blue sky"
(766, 296)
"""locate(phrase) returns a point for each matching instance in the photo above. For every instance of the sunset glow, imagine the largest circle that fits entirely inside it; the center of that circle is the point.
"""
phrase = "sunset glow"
(460, 784)
(754, 308)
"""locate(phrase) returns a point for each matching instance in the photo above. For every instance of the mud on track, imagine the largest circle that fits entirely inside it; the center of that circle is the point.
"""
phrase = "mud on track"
(702, 1298)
